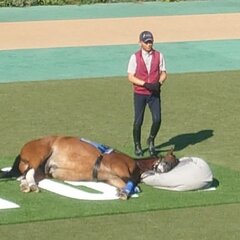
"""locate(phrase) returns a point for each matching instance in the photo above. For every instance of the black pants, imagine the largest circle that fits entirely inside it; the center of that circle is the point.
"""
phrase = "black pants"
(154, 104)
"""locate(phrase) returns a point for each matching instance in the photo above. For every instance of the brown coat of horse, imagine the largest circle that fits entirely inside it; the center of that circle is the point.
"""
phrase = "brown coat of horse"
(70, 158)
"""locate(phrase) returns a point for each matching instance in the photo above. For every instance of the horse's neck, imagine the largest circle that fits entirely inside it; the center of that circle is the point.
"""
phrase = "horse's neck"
(146, 164)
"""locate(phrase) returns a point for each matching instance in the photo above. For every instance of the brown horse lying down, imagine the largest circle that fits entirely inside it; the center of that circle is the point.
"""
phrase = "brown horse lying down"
(74, 159)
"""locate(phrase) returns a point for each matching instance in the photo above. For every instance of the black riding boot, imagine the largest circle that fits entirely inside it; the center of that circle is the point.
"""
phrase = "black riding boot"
(150, 142)
(151, 146)
(137, 141)
(138, 150)
(154, 129)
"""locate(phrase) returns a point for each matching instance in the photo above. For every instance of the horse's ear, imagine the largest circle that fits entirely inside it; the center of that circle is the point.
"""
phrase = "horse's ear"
(170, 152)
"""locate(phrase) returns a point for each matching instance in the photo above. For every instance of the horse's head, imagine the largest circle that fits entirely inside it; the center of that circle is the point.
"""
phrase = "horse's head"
(166, 163)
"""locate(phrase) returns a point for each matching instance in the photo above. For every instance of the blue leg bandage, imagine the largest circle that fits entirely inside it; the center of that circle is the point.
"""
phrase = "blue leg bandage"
(129, 188)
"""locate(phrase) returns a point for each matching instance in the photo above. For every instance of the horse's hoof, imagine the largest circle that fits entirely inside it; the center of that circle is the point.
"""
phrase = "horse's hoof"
(122, 195)
(34, 188)
(24, 188)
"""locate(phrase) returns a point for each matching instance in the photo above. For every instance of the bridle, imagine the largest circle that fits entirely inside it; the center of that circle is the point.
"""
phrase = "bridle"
(156, 164)
(162, 165)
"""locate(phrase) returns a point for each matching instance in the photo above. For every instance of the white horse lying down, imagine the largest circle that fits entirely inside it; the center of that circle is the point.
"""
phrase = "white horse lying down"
(191, 173)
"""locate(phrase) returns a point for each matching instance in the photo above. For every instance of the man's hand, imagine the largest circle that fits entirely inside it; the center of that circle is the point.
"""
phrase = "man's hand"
(154, 87)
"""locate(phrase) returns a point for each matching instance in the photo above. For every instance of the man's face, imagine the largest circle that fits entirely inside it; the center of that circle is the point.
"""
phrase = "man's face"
(147, 46)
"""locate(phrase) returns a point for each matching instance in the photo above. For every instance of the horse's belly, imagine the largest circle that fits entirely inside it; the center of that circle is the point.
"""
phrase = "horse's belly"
(70, 175)
(69, 169)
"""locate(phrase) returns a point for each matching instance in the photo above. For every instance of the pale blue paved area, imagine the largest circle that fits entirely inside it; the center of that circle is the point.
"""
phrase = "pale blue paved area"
(117, 10)
(81, 62)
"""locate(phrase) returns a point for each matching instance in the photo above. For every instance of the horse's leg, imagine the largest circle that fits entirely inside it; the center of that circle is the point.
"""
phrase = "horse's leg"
(30, 176)
(24, 187)
(131, 186)
(116, 182)
(125, 188)
(28, 184)
(120, 185)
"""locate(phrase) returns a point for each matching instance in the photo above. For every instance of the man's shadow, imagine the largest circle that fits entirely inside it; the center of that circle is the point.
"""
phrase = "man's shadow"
(182, 141)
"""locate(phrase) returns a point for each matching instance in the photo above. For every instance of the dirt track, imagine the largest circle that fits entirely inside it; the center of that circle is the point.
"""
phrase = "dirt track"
(113, 31)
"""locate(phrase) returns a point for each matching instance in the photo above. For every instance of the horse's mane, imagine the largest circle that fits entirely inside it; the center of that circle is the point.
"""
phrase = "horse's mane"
(146, 158)
(146, 163)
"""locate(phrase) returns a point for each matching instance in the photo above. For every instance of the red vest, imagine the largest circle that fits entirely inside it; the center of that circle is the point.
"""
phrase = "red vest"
(142, 73)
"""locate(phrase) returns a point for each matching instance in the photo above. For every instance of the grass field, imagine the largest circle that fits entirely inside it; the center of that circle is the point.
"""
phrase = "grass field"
(200, 118)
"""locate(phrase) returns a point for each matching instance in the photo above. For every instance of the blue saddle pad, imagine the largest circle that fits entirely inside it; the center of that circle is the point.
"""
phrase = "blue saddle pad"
(101, 147)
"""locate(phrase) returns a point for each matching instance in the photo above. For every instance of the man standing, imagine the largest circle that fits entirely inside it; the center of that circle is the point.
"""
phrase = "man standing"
(147, 73)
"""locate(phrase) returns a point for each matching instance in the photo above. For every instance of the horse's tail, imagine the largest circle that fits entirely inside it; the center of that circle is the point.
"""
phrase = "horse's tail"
(14, 172)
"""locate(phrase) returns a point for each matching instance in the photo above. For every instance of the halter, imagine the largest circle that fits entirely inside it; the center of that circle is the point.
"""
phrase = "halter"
(163, 165)
(155, 165)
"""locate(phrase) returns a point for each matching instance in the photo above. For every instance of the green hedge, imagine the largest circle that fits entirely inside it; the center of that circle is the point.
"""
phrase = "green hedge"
(24, 3)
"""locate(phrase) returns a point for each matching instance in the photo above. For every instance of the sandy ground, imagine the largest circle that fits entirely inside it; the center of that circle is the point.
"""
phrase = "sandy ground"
(117, 31)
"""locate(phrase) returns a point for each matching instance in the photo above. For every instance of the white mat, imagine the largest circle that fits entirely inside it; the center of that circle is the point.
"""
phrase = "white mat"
(4, 204)
(107, 192)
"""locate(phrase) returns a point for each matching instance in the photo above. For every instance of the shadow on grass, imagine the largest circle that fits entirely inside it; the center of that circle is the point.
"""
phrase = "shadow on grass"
(182, 141)
(215, 183)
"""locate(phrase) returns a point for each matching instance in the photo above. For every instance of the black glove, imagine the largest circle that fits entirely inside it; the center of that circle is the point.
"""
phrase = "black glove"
(154, 87)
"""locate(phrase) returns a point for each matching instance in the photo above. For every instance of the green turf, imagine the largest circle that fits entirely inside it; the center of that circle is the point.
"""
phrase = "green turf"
(200, 223)
(194, 105)
(33, 206)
